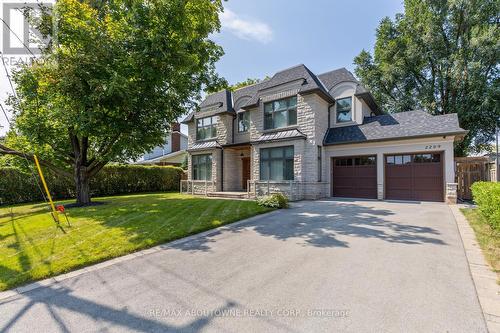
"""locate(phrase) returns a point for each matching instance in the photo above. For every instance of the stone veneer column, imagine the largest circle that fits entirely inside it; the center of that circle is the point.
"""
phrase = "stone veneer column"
(451, 193)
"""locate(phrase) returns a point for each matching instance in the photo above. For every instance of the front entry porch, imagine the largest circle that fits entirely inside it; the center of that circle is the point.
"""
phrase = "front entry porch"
(236, 168)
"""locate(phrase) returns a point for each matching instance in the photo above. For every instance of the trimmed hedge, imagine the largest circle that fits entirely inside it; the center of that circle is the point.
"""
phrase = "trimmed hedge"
(487, 197)
(19, 187)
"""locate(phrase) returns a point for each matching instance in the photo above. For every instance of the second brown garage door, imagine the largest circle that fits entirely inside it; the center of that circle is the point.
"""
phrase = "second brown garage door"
(355, 177)
(414, 177)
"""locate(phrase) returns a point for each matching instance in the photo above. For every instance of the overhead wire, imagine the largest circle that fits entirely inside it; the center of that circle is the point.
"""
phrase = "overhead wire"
(28, 164)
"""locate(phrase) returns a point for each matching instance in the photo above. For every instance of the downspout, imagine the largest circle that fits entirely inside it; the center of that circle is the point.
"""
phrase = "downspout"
(222, 169)
(232, 129)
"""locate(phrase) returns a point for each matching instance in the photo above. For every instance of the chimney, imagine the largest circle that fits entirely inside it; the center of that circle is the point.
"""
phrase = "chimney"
(176, 137)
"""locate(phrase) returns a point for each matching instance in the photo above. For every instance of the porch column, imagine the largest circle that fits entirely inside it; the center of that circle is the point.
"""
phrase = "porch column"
(380, 176)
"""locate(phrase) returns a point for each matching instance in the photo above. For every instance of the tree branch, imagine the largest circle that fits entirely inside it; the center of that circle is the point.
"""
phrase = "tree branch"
(8, 151)
(96, 168)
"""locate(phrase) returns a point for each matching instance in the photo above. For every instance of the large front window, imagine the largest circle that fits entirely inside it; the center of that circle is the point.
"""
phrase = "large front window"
(202, 167)
(276, 163)
(280, 113)
(206, 128)
(344, 110)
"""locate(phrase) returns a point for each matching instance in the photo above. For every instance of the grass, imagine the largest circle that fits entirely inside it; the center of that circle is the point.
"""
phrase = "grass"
(489, 240)
(33, 248)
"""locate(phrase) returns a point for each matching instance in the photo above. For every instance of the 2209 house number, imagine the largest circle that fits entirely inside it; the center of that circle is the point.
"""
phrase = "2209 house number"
(432, 146)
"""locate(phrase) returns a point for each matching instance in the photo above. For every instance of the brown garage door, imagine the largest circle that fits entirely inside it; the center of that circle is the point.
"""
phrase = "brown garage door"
(414, 177)
(355, 177)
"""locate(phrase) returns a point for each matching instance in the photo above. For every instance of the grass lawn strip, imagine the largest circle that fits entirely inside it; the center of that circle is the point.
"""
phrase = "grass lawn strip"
(32, 248)
(488, 239)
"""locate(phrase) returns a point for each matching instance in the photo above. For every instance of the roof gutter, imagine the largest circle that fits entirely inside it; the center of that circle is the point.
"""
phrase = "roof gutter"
(462, 133)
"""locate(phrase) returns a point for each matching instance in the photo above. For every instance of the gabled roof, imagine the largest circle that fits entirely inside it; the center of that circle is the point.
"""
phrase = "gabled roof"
(332, 78)
(403, 125)
(302, 79)
(220, 101)
(307, 82)
(337, 76)
(216, 103)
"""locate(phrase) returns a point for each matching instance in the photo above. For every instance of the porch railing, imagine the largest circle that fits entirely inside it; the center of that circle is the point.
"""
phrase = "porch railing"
(292, 189)
(197, 187)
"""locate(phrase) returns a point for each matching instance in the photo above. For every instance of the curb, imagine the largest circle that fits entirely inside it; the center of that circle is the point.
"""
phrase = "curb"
(18, 291)
(487, 289)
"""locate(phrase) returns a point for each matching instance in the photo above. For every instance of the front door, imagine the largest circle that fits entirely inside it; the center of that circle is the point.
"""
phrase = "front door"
(245, 172)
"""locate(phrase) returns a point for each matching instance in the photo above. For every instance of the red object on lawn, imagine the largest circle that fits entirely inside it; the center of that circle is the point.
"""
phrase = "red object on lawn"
(60, 208)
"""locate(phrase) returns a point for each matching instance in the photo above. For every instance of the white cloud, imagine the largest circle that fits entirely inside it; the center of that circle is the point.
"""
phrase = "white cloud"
(248, 29)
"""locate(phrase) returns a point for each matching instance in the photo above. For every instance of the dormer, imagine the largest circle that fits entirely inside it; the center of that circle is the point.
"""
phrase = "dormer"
(352, 101)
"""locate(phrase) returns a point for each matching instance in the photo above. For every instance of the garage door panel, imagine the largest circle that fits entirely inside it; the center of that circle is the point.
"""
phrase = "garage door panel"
(419, 178)
(428, 183)
(399, 194)
(351, 179)
(427, 195)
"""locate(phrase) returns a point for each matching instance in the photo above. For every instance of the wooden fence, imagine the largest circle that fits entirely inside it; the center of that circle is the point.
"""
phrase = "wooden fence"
(469, 170)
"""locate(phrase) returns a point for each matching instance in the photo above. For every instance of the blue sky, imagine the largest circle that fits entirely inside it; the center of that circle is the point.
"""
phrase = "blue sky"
(261, 37)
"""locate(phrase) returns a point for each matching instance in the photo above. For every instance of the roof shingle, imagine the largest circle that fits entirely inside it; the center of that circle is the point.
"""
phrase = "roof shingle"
(401, 125)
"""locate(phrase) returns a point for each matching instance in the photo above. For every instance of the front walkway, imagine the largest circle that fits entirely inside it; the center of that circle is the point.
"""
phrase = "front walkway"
(323, 266)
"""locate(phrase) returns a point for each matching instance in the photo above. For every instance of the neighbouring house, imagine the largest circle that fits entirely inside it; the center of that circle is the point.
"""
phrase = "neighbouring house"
(312, 136)
(172, 152)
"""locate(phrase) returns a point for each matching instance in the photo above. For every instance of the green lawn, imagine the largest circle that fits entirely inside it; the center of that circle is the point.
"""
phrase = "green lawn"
(488, 239)
(33, 248)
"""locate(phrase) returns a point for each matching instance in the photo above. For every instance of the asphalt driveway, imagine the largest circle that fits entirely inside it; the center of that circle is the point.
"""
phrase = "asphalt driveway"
(323, 266)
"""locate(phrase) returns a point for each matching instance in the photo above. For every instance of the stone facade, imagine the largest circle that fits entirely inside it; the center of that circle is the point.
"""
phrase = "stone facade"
(451, 193)
(312, 161)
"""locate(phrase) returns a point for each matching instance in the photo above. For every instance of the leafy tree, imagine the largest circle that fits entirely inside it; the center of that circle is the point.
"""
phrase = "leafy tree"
(225, 85)
(441, 56)
(115, 75)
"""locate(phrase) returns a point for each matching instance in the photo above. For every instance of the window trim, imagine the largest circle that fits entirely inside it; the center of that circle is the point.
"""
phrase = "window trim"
(194, 165)
(337, 111)
(273, 112)
(399, 158)
(284, 159)
(213, 123)
(247, 113)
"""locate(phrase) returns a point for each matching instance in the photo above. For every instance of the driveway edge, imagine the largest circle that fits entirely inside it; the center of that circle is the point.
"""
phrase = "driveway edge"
(488, 291)
(157, 248)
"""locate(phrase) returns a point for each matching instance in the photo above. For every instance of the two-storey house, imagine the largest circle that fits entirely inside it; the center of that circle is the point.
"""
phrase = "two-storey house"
(312, 136)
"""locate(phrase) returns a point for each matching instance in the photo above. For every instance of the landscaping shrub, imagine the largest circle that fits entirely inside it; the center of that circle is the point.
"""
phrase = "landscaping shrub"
(487, 197)
(275, 200)
(17, 186)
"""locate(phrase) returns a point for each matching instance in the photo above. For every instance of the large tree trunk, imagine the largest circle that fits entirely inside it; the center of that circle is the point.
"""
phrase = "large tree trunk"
(82, 182)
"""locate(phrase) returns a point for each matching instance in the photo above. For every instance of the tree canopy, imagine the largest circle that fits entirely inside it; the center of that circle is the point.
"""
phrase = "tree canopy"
(441, 56)
(114, 77)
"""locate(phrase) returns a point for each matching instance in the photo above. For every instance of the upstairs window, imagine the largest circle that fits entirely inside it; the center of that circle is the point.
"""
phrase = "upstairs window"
(206, 128)
(280, 113)
(243, 121)
(344, 110)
